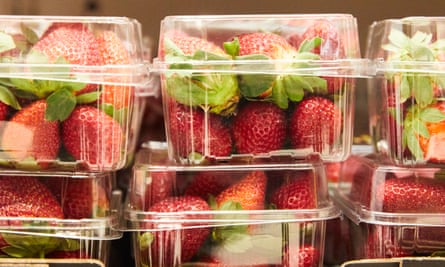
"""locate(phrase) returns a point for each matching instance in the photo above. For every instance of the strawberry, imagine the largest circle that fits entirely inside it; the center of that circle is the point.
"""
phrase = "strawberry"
(70, 254)
(72, 41)
(113, 52)
(315, 123)
(432, 144)
(259, 127)
(387, 242)
(93, 137)
(39, 138)
(248, 192)
(331, 46)
(26, 196)
(161, 187)
(165, 247)
(269, 44)
(304, 256)
(271, 47)
(4, 111)
(211, 183)
(193, 131)
(299, 193)
(81, 198)
(411, 194)
(215, 92)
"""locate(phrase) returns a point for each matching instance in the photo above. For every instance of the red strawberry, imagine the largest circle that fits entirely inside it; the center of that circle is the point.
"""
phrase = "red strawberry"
(194, 131)
(39, 138)
(304, 256)
(113, 52)
(26, 196)
(170, 246)
(216, 92)
(93, 137)
(161, 187)
(387, 242)
(74, 42)
(265, 43)
(331, 46)
(433, 146)
(4, 111)
(67, 254)
(297, 194)
(81, 198)
(259, 127)
(211, 183)
(190, 44)
(249, 192)
(411, 194)
(315, 123)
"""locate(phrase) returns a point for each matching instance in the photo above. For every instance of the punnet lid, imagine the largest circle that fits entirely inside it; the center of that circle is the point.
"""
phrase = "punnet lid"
(70, 49)
(308, 44)
(408, 45)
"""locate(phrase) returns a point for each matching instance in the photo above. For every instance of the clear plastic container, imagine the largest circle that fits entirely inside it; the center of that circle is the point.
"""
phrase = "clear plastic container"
(24, 239)
(391, 211)
(34, 229)
(58, 195)
(68, 91)
(247, 211)
(406, 95)
(246, 84)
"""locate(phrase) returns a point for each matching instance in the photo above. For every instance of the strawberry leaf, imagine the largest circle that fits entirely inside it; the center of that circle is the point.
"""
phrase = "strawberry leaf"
(232, 48)
(310, 45)
(204, 55)
(145, 240)
(279, 94)
(423, 90)
(6, 42)
(107, 108)
(67, 244)
(29, 246)
(7, 97)
(405, 88)
(87, 97)
(413, 143)
(60, 105)
(29, 34)
(432, 115)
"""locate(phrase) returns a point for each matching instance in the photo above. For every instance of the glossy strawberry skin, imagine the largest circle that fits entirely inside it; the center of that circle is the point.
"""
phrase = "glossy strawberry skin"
(193, 131)
(269, 44)
(113, 52)
(304, 256)
(39, 138)
(161, 187)
(190, 44)
(315, 123)
(296, 194)
(4, 111)
(259, 127)
(164, 242)
(81, 198)
(93, 137)
(249, 192)
(26, 196)
(331, 46)
(411, 194)
(210, 183)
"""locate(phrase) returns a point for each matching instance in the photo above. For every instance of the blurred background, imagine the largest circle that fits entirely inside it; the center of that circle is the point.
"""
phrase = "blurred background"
(151, 12)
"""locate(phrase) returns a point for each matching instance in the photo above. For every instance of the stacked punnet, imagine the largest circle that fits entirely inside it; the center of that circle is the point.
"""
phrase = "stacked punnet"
(392, 198)
(70, 97)
(68, 86)
(258, 85)
(247, 212)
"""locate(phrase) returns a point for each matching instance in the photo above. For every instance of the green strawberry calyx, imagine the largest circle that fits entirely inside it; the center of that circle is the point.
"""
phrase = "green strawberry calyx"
(415, 125)
(418, 48)
(277, 88)
(29, 246)
(188, 83)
